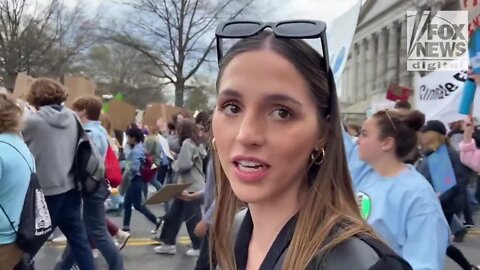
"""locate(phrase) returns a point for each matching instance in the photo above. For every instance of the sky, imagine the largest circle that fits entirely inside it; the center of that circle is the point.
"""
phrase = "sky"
(325, 10)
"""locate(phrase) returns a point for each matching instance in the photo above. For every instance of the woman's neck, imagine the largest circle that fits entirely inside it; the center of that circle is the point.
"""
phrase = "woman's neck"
(270, 217)
(388, 166)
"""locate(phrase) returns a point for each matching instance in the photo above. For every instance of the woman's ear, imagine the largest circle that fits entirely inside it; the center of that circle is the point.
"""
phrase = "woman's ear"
(388, 144)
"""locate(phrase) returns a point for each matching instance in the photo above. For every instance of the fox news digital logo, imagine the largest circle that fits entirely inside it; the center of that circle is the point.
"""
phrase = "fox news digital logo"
(437, 41)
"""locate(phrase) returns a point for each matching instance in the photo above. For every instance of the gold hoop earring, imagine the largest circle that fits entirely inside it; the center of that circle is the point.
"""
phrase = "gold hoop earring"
(318, 159)
(213, 145)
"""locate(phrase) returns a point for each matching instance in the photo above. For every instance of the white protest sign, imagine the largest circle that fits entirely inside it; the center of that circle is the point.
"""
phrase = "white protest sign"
(438, 96)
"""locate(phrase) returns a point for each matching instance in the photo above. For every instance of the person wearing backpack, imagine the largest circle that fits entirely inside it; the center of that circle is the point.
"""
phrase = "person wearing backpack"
(52, 135)
(14, 180)
(133, 172)
(88, 109)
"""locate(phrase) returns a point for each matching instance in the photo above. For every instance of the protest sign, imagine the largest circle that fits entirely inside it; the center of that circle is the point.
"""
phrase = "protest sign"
(473, 8)
(441, 170)
(22, 85)
(167, 193)
(438, 95)
(121, 113)
(152, 113)
(77, 87)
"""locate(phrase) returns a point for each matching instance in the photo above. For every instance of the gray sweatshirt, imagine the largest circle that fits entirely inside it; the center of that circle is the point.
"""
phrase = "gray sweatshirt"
(189, 166)
(51, 135)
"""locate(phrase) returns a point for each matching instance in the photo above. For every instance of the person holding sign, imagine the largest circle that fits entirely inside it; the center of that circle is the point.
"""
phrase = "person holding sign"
(442, 167)
(469, 153)
(392, 196)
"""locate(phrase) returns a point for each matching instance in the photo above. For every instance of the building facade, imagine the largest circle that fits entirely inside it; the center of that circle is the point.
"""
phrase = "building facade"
(378, 55)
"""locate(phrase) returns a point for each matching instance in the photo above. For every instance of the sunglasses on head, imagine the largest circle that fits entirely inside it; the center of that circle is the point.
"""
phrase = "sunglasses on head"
(294, 29)
(385, 111)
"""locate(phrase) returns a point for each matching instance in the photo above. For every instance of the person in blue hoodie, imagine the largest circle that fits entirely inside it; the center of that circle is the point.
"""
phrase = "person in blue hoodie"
(133, 166)
(393, 197)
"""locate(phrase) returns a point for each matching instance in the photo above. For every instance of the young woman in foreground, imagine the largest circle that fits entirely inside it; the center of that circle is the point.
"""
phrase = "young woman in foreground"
(278, 148)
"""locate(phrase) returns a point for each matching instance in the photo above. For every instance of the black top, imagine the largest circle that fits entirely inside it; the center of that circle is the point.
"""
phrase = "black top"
(351, 254)
(281, 243)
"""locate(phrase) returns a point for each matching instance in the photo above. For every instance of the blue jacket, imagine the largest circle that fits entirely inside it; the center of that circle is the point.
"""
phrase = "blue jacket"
(134, 162)
(405, 211)
(98, 135)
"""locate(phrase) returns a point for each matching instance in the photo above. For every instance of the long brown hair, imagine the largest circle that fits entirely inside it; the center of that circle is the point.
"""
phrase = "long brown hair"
(330, 214)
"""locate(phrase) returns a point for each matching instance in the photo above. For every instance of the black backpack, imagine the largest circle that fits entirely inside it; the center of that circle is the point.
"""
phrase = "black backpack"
(388, 258)
(35, 225)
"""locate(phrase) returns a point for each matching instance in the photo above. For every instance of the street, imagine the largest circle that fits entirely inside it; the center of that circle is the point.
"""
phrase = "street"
(139, 250)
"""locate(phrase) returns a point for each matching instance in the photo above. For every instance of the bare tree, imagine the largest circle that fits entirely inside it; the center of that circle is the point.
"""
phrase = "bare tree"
(177, 35)
(39, 39)
(120, 69)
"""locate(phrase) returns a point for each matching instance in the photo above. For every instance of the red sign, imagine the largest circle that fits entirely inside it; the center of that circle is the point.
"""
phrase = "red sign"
(396, 92)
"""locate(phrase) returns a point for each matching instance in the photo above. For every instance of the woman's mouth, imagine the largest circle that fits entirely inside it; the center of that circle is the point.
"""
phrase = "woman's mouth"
(249, 170)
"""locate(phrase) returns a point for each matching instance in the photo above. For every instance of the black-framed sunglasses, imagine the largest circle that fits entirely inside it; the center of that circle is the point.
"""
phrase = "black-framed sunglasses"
(292, 29)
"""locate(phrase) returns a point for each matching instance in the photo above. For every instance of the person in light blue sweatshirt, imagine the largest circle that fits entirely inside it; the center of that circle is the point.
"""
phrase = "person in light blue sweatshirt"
(393, 197)
(16, 164)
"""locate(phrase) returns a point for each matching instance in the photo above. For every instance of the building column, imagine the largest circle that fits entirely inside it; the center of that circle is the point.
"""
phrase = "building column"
(370, 83)
(353, 73)
(362, 67)
(392, 55)
(403, 77)
(381, 71)
(349, 84)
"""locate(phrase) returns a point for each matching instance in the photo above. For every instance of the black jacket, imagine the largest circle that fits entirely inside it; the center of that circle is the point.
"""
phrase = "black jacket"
(356, 253)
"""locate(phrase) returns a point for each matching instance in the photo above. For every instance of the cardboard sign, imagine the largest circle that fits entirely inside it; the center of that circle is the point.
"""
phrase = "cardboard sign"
(121, 113)
(152, 113)
(441, 170)
(167, 193)
(156, 110)
(22, 85)
(77, 87)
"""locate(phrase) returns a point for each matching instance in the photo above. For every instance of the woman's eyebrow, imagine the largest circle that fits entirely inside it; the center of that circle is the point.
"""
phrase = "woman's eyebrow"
(281, 98)
(230, 93)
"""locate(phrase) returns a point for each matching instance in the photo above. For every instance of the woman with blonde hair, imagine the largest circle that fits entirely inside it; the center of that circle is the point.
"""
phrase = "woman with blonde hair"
(16, 164)
(107, 124)
(278, 149)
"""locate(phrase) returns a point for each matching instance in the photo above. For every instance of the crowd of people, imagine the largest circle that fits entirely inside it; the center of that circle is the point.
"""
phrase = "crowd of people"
(276, 179)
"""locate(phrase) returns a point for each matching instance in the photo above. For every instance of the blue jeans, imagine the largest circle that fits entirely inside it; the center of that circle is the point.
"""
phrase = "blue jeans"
(65, 213)
(94, 219)
(133, 196)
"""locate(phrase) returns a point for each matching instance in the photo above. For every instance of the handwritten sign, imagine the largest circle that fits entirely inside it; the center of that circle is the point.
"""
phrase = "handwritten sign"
(441, 170)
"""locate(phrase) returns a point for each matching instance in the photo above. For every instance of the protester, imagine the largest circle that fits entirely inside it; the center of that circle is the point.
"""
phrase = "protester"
(189, 169)
(112, 141)
(298, 190)
(469, 153)
(453, 201)
(455, 135)
(52, 134)
(133, 193)
(153, 147)
(88, 109)
(16, 164)
(394, 198)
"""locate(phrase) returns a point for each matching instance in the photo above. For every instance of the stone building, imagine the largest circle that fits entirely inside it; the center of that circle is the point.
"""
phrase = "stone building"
(378, 53)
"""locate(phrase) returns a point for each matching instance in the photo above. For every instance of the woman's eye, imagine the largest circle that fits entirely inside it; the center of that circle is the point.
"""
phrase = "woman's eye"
(282, 114)
(231, 108)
